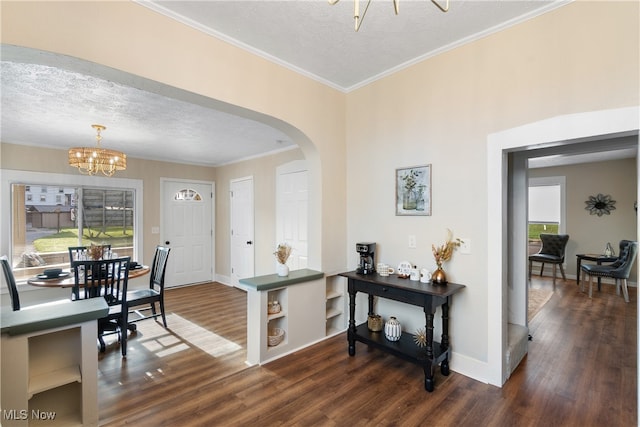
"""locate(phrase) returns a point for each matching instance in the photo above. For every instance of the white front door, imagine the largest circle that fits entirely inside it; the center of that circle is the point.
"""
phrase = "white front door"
(242, 229)
(292, 211)
(187, 228)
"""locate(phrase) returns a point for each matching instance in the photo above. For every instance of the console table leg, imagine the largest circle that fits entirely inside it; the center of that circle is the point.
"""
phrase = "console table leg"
(444, 344)
(428, 366)
(428, 381)
(352, 321)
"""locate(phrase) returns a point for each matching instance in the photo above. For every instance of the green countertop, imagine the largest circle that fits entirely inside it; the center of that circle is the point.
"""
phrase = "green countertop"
(52, 315)
(272, 281)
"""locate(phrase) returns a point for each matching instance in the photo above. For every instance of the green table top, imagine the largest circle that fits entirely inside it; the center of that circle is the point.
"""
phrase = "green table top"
(51, 315)
(272, 281)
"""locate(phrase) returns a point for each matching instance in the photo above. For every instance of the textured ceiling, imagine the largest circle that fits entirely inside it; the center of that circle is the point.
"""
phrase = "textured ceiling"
(51, 106)
(319, 40)
(52, 100)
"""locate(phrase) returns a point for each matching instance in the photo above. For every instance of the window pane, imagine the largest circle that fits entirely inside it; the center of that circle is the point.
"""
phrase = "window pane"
(108, 218)
(544, 210)
(42, 229)
(187, 194)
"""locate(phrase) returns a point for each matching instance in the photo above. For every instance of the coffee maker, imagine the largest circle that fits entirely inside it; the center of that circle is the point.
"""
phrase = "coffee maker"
(367, 262)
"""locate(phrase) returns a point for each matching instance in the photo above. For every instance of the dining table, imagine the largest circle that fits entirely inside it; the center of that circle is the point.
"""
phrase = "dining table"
(67, 280)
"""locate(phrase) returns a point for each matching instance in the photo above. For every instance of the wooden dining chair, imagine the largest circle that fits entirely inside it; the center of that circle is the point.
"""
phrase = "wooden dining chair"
(155, 292)
(106, 279)
(11, 283)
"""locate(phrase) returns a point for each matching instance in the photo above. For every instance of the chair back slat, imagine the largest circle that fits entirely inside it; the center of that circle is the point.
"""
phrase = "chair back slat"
(158, 268)
(108, 278)
(79, 253)
(11, 283)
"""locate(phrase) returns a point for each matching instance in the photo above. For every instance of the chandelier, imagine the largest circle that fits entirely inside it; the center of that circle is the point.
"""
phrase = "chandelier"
(396, 6)
(93, 160)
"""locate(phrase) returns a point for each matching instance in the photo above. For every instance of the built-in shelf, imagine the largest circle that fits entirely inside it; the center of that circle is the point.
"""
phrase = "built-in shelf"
(335, 305)
(278, 320)
(301, 296)
(49, 363)
(276, 315)
(53, 379)
(332, 293)
(333, 312)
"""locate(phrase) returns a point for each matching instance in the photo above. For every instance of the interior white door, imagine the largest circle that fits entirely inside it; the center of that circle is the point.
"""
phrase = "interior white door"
(188, 230)
(292, 212)
(242, 229)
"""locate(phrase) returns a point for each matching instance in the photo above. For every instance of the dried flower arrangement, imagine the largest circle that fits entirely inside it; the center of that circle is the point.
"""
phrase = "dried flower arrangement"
(282, 252)
(95, 251)
(445, 251)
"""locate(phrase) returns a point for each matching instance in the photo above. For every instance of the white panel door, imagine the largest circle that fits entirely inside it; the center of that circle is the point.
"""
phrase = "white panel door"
(292, 212)
(188, 231)
(242, 229)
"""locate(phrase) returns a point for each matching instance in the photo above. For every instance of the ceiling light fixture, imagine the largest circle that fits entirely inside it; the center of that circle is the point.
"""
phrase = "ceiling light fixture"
(92, 160)
(396, 6)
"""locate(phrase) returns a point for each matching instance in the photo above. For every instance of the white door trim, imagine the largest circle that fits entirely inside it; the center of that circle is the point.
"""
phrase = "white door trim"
(560, 130)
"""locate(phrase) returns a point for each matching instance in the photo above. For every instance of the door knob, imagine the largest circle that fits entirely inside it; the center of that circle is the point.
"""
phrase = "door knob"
(167, 242)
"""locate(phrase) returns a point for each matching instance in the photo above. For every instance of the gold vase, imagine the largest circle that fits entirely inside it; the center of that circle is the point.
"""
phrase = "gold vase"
(438, 277)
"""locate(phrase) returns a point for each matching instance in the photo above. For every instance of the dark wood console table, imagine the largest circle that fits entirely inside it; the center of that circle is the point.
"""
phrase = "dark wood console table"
(427, 296)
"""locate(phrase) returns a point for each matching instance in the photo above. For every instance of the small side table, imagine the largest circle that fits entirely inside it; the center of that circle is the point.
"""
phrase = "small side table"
(592, 257)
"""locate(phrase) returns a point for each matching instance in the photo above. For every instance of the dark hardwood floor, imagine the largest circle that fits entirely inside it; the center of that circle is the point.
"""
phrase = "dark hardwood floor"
(580, 371)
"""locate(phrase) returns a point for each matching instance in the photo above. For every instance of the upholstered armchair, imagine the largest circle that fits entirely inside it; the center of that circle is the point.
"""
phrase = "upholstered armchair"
(619, 270)
(551, 252)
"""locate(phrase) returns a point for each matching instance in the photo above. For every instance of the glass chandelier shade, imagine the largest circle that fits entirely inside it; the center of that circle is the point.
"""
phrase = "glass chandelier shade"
(94, 160)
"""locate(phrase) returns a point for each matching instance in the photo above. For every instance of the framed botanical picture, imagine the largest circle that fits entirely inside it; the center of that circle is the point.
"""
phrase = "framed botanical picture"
(413, 190)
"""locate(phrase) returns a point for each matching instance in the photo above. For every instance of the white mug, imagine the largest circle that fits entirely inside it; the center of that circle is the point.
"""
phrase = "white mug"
(425, 276)
(414, 275)
(384, 270)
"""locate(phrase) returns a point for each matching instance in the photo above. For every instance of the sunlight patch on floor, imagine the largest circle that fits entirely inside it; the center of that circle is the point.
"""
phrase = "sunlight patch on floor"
(180, 335)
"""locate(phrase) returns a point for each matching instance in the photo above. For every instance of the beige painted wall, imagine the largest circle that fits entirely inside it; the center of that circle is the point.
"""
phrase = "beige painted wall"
(134, 39)
(263, 171)
(590, 233)
(38, 159)
(581, 57)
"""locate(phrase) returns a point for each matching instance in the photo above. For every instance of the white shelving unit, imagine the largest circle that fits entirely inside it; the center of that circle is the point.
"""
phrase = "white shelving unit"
(302, 313)
(336, 305)
(50, 373)
(278, 320)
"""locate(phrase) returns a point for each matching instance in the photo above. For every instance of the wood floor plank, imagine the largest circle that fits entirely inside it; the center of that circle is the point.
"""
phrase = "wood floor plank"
(580, 371)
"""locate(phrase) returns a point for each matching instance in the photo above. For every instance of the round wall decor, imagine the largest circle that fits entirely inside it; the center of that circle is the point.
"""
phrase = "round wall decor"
(600, 205)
